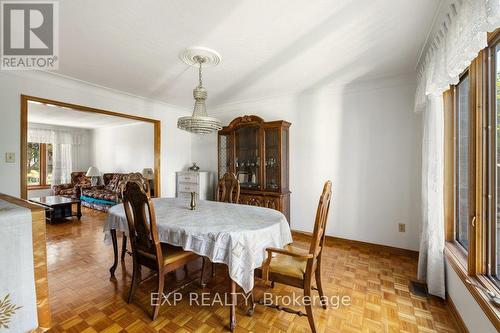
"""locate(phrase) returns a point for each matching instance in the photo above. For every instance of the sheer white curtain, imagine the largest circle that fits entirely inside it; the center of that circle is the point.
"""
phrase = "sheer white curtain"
(62, 160)
(431, 257)
(40, 135)
(461, 35)
(64, 141)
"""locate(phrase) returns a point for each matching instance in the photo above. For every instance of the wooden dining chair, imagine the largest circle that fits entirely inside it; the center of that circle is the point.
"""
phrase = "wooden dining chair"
(138, 178)
(146, 247)
(297, 268)
(228, 189)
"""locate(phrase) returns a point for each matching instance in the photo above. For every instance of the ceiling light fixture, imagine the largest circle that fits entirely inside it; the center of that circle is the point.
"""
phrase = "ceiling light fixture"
(199, 122)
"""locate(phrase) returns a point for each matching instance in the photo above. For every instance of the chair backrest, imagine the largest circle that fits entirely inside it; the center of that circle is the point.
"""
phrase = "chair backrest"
(228, 189)
(141, 219)
(133, 177)
(318, 237)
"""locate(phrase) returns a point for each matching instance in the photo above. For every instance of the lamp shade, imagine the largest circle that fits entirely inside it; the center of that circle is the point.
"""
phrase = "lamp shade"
(148, 173)
(93, 172)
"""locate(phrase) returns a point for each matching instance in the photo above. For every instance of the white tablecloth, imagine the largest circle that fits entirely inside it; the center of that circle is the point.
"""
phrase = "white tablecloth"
(17, 274)
(236, 235)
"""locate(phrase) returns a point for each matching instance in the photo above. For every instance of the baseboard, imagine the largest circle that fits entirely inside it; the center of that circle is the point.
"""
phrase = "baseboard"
(391, 249)
(456, 315)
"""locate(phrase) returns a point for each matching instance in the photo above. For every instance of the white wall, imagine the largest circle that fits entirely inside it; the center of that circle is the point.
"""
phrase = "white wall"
(128, 148)
(175, 144)
(364, 137)
(473, 316)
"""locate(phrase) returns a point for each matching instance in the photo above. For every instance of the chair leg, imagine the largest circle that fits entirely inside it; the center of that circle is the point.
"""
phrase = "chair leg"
(203, 284)
(115, 253)
(307, 294)
(319, 285)
(161, 282)
(251, 308)
(136, 273)
(124, 246)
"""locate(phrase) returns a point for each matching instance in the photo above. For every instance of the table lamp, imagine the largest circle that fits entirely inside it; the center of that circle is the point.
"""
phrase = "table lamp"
(94, 174)
(148, 173)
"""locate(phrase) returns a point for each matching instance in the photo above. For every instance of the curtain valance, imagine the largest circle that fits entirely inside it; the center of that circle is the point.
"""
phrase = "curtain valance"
(56, 136)
(461, 35)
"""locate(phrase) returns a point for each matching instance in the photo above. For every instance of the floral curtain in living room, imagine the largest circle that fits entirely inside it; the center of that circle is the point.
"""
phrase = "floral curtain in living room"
(461, 34)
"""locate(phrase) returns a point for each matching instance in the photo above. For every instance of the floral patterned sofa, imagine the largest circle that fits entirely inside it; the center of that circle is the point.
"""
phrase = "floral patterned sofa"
(78, 182)
(102, 197)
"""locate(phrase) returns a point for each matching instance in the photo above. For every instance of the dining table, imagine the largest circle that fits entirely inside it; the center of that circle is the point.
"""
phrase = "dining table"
(232, 234)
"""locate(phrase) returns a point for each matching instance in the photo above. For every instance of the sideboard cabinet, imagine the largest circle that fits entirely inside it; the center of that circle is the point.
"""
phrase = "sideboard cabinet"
(257, 152)
(193, 181)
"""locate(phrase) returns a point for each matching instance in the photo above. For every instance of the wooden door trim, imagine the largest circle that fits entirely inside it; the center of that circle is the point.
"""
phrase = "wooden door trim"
(24, 135)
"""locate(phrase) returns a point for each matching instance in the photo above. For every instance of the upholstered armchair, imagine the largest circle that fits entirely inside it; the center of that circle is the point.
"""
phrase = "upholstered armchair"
(78, 181)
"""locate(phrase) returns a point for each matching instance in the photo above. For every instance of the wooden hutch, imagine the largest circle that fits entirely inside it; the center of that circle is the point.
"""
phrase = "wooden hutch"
(257, 152)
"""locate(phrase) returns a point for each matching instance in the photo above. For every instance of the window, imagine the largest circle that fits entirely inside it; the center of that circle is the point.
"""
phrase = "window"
(40, 165)
(472, 177)
(495, 166)
(33, 164)
(462, 162)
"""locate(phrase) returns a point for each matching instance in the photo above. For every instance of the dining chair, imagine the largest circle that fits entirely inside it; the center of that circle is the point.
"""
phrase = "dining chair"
(138, 178)
(297, 268)
(147, 250)
(228, 189)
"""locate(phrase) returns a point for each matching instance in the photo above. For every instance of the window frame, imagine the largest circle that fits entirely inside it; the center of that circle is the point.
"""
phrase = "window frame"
(491, 211)
(471, 199)
(466, 258)
(43, 169)
(474, 268)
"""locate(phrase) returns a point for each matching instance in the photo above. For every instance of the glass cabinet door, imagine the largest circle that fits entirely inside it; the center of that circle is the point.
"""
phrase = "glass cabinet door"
(247, 159)
(225, 154)
(272, 160)
(285, 176)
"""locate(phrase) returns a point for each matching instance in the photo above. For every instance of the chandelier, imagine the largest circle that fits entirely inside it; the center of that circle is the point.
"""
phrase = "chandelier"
(199, 122)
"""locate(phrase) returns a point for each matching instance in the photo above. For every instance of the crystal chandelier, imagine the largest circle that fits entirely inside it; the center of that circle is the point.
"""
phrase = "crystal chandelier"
(199, 122)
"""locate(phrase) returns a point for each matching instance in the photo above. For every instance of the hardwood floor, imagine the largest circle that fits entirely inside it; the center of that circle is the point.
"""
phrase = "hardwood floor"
(83, 299)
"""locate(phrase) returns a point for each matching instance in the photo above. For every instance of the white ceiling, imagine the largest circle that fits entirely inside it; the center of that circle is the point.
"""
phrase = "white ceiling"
(55, 115)
(267, 47)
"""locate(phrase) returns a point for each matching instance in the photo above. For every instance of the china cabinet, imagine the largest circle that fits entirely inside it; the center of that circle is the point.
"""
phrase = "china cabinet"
(257, 152)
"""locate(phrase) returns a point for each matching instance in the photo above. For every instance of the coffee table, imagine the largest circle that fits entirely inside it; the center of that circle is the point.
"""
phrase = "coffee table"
(59, 207)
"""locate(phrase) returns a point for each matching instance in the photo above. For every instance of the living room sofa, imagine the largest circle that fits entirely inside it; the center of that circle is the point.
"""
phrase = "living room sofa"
(102, 197)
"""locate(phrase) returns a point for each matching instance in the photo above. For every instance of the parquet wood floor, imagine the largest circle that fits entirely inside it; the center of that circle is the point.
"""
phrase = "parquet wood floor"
(83, 299)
